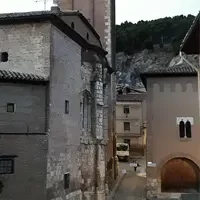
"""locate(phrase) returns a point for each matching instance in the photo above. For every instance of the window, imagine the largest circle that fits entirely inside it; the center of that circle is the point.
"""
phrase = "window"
(66, 180)
(185, 129)
(188, 129)
(66, 106)
(4, 56)
(181, 129)
(10, 107)
(72, 25)
(126, 109)
(88, 37)
(6, 166)
(127, 126)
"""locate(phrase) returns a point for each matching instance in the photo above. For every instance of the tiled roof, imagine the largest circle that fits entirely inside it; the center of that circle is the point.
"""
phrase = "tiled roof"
(56, 19)
(130, 97)
(175, 71)
(11, 75)
(171, 70)
(48, 13)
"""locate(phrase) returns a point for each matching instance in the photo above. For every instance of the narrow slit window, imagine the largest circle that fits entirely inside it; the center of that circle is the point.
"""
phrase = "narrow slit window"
(188, 129)
(182, 129)
(66, 181)
(66, 107)
(4, 56)
(10, 107)
(88, 37)
(72, 25)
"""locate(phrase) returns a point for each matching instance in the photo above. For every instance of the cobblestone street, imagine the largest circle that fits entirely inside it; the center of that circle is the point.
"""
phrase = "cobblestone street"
(132, 187)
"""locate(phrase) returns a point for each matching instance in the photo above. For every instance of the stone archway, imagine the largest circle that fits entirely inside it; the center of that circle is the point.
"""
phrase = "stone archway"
(180, 175)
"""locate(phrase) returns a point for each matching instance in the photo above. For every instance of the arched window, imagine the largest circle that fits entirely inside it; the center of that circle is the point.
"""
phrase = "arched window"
(72, 25)
(182, 129)
(86, 109)
(188, 129)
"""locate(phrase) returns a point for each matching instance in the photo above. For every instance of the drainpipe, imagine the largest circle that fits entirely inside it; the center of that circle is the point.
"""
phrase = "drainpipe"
(113, 79)
(198, 75)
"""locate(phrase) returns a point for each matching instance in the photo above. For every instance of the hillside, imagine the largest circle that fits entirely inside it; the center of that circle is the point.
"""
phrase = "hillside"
(148, 44)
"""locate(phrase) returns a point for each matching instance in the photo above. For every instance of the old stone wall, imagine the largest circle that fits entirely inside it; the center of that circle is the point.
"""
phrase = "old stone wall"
(65, 127)
(29, 116)
(28, 47)
(92, 140)
(29, 155)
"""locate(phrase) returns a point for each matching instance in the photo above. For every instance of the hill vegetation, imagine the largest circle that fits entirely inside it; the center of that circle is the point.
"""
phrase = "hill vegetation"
(132, 38)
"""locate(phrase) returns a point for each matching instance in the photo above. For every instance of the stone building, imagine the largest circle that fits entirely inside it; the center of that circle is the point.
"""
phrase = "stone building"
(131, 121)
(172, 133)
(53, 82)
(101, 15)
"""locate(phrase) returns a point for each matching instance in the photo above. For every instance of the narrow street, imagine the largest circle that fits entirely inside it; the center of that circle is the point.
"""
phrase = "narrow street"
(133, 185)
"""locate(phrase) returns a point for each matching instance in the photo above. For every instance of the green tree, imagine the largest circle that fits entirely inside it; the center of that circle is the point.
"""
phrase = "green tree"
(131, 38)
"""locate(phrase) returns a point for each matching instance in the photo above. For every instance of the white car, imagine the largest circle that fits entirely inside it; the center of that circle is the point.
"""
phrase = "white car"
(122, 151)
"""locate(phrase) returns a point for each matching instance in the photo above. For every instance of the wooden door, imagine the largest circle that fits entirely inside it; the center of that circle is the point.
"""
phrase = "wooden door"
(179, 175)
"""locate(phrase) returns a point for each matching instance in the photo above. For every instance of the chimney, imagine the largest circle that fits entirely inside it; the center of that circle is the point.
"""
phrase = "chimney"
(55, 9)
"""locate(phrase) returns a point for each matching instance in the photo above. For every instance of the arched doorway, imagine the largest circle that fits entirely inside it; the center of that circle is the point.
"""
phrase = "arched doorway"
(180, 175)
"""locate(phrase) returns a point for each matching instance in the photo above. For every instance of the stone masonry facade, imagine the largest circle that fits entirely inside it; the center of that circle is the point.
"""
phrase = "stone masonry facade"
(99, 13)
(74, 138)
(93, 140)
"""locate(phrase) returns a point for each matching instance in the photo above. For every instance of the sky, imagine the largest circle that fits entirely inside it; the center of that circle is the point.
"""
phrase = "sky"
(126, 10)
(136, 10)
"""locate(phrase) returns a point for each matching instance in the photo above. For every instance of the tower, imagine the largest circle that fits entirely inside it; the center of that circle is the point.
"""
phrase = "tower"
(101, 15)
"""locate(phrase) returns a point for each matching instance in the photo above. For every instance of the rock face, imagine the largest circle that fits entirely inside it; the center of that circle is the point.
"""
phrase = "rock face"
(129, 67)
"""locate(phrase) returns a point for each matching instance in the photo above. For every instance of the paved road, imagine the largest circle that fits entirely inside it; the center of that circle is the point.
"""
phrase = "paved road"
(132, 187)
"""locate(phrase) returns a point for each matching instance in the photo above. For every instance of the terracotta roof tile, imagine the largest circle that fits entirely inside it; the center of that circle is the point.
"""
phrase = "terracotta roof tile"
(11, 75)
(175, 71)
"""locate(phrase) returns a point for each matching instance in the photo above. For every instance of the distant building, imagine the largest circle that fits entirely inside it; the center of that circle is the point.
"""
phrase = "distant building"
(130, 121)
(172, 132)
(53, 83)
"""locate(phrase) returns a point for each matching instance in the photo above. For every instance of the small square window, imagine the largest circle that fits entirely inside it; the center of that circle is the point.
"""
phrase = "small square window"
(66, 181)
(127, 126)
(126, 109)
(6, 166)
(10, 107)
(66, 106)
(4, 56)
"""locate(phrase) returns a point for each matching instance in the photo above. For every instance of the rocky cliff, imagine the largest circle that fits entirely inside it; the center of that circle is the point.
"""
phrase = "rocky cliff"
(129, 66)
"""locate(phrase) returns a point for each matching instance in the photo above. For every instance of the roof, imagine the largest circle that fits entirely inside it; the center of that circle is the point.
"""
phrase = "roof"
(82, 17)
(6, 75)
(190, 43)
(131, 97)
(55, 19)
(176, 71)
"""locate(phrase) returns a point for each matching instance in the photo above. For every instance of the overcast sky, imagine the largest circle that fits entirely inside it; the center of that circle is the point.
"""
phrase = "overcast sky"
(130, 10)
(136, 10)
